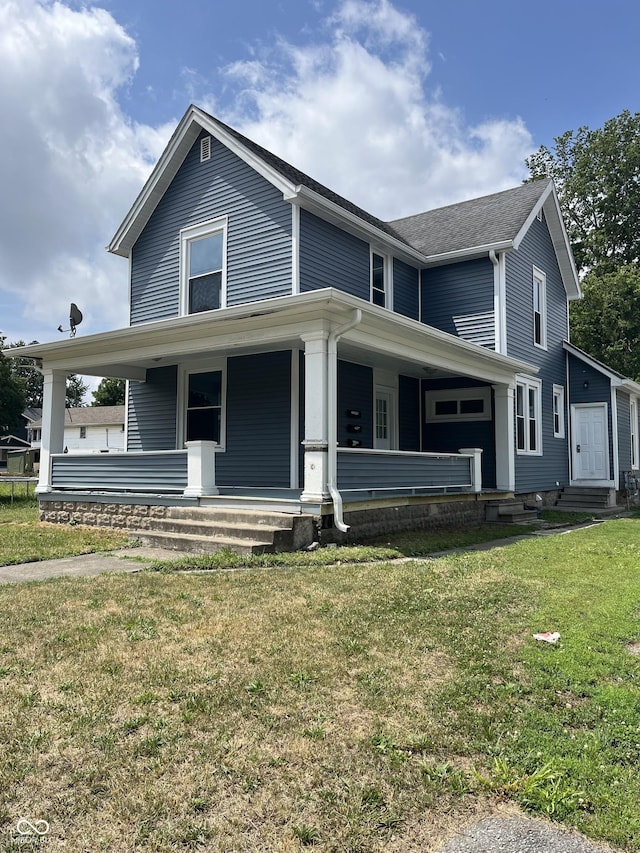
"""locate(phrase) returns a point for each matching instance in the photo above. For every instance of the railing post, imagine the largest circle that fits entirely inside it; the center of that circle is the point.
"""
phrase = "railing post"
(476, 466)
(201, 469)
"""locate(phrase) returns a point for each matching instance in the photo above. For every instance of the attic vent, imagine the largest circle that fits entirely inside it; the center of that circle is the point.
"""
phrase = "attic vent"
(477, 328)
(205, 149)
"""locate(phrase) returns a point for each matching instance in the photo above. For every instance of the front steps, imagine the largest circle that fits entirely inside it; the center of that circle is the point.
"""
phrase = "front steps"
(593, 499)
(509, 512)
(204, 530)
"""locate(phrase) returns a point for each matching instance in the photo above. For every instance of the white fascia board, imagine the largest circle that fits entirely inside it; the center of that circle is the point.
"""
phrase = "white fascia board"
(550, 203)
(343, 218)
(168, 165)
(468, 253)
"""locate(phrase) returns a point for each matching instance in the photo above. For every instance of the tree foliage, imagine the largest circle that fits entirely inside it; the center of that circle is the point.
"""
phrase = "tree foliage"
(30, 379)
(12, 400)
(110, 392)
(597, 175)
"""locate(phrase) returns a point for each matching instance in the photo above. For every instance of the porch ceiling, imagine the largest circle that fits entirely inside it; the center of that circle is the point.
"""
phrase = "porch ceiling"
(385, 337)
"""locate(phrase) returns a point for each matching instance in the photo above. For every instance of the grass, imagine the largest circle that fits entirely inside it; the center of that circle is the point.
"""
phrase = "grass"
(346, 707)
(23, 539)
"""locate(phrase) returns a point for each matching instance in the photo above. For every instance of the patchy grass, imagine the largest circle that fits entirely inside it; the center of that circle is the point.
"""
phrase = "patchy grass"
(24, 539)
(352, 707)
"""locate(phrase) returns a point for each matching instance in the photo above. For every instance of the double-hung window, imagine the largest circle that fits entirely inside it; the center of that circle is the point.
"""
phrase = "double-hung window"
(203, 267)
(539, 308)
(558, 411)
(204, 406)
(380, 280)
(529, 416)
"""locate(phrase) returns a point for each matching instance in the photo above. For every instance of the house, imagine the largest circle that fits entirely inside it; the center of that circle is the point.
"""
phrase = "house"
(11, 444)
(289, 353)
(87, 429)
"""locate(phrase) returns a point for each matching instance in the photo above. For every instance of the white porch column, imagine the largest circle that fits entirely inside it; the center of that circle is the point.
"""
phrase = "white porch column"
(53, 400)
(505, 437)
(476, 466)
(316, 432)
(201, 469)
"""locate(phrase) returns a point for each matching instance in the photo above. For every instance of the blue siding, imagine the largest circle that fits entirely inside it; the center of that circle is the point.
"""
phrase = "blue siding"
(449, 437)
(355, 391)
(624, 432)
(406, 290)
(330, 257)
(137, 472)
(258, 429)
(259, 234)
(455, 290)
(152, 411)
(373, 471)
(535, 473)
(598, 390)
(409, 413)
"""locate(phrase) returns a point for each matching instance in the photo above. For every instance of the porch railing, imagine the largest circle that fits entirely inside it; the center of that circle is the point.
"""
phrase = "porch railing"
(153, 472)
(380, 471)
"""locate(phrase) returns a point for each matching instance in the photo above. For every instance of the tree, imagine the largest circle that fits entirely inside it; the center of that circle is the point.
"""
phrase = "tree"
(76, 389)
(597, 175)
(12, 402)
(110, 392)
(30, 378)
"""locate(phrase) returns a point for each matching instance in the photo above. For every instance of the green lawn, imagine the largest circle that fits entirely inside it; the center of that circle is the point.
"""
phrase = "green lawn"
(344, 707)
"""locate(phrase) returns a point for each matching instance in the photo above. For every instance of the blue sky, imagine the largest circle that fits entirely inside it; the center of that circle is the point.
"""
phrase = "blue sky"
(399, 106)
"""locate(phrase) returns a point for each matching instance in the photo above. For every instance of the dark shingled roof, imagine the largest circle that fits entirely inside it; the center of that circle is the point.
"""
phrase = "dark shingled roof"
(479, 222)
(295, 176)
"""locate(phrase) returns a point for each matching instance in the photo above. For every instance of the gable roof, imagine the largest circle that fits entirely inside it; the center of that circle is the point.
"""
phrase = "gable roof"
(616, 379)
(493, 222)
(294, 184)
(468, 229)
(90, 416)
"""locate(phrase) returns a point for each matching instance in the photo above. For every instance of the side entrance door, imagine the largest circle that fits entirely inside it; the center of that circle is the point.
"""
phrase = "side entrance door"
(590, 442)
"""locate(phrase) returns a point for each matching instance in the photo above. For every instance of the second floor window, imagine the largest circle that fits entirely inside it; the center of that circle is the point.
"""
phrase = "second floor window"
(539, 308)
(380, 280)
(202, 260)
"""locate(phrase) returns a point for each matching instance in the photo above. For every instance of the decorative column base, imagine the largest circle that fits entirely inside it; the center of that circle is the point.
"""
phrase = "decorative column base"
(316, 489)
(201, 469)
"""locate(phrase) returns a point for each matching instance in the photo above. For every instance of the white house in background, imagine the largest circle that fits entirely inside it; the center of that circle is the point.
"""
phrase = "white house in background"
(90, 429)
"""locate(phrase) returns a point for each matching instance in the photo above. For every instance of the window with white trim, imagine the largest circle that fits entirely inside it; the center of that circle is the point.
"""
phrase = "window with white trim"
(458, 404)
(203, 267)
(529, 416)
(380, 280)
(558, 411)
(633, 414)
(83, 432)
(203, 417)
(539, 308)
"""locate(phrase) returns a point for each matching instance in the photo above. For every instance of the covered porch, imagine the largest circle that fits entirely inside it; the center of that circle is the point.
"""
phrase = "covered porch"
(322, 404)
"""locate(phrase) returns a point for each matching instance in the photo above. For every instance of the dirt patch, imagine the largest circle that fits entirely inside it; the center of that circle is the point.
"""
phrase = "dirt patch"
(634, 648)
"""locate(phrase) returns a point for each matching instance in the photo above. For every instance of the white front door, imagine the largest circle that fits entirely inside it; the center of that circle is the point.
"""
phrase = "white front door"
(384, 415)
(590, 442)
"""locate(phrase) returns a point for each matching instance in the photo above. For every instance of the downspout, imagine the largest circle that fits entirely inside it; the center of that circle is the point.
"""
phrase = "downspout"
(332, 416)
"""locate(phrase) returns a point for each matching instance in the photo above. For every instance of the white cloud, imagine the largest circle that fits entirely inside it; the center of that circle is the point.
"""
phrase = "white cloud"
(71, 160)
(355, 112)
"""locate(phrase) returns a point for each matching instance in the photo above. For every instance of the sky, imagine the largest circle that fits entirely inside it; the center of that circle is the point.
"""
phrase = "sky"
(399, 106)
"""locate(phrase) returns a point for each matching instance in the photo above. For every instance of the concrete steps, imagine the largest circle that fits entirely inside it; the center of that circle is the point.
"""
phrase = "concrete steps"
(593, 499)
(509, 512)
(204, 530)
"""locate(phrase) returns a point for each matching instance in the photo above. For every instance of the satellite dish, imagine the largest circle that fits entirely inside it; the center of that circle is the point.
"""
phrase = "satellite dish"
(75, 318)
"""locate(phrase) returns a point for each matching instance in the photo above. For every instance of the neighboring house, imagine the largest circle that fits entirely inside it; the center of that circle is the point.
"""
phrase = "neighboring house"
(87, 429)
(11, 444)
(288, 350)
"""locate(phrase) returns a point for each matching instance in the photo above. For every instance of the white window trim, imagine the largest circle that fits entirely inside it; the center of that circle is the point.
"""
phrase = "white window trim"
(388, 276)
(529, 382)
(540, 277)
(184, 371)
(437, 395)
(196, 232)
(558, 394)
(633, 435)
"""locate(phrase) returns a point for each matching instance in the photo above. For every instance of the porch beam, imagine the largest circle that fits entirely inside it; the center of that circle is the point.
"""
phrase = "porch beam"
(53, 411)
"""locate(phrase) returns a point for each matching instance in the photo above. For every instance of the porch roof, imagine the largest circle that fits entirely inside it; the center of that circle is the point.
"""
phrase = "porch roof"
(128, 353)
